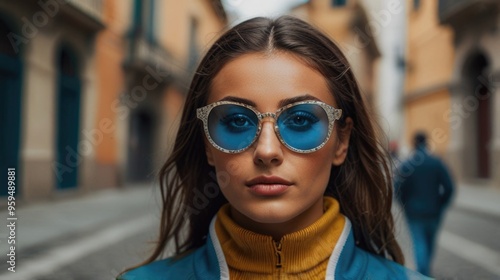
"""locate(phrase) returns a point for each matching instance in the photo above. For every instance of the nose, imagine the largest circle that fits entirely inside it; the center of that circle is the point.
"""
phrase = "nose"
(268, 148)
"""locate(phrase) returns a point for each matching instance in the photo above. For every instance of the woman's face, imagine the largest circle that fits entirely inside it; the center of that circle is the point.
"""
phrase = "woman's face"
(272, 189)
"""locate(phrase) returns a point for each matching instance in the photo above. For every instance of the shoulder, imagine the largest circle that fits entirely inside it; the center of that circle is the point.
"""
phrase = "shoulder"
(378, 267)
(162, 270)
(207, 263)
(198, 264)
(356, 263)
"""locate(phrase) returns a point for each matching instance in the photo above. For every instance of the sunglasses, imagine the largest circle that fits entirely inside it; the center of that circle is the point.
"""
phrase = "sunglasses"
(303, 127)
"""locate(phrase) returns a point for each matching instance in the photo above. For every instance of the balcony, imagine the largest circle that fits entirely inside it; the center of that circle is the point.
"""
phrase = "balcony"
(456, 11)
(88, 13)
(144, 56)
(143, 53)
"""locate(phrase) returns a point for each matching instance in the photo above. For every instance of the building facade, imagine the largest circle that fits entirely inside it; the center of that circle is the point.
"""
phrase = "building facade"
(49, 58)
(429, 64)
(451, 89)
(92, 88)
(475, 88)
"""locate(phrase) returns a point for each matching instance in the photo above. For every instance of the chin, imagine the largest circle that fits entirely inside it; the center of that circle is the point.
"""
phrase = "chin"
(271, 215)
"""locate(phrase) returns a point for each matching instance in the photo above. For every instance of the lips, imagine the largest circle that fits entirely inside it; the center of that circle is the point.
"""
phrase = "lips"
(268, 185)
(268, 180)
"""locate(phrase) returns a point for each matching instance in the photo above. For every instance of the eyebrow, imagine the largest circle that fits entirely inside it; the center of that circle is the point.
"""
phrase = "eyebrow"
(282, 102)
(239, 100)
(299, 98)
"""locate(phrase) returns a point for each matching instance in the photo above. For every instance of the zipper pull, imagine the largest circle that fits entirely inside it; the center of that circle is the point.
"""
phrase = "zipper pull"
(277, 247)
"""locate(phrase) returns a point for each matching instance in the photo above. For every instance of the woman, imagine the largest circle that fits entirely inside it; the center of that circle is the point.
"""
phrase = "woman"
(276, 171)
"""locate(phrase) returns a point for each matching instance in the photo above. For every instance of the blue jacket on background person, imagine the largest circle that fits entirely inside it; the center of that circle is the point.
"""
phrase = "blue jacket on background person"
(423, 185)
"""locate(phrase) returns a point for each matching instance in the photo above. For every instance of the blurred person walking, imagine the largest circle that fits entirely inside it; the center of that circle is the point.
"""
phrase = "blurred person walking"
(424, 188)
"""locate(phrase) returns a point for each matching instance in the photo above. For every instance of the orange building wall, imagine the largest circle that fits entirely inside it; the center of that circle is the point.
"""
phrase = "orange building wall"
(429, 114)
(109, 58)
(176, 25)
(430, 48)
(210, 24)
(430, 60)
(333, 22)
(175, 28)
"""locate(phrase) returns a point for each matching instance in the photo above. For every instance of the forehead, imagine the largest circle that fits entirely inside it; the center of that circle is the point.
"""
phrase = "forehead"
(266, 79)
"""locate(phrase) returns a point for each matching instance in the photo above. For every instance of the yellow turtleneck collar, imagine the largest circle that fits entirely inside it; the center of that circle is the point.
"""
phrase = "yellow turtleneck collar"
(304, 254)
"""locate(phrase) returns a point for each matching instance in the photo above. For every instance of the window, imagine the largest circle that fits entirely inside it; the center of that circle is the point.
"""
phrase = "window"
(416, 4)
(338, 3)
(143, 19)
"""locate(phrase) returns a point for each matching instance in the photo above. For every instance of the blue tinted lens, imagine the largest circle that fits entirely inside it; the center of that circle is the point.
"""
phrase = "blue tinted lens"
(232, 127)
(303, 126)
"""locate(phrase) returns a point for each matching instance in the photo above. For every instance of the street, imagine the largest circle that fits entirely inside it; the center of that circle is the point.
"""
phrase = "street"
(475, 254)
(106, 263)
(99, 255)
(468, 246)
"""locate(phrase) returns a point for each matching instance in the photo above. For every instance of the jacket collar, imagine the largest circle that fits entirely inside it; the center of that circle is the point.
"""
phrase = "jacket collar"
(333, 261)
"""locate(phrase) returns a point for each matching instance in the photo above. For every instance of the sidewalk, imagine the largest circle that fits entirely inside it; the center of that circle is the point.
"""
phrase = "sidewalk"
(44, 224)
(478, 199)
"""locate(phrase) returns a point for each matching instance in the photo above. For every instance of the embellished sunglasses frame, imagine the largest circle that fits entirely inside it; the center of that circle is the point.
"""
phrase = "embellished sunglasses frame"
(333, 114)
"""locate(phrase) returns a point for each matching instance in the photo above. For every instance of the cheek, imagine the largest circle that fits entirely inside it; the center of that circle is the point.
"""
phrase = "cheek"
(229, 168)
(221, 161)
(319, 167)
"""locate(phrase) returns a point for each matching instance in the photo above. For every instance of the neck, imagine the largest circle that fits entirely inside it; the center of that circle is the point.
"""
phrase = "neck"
(279, 229)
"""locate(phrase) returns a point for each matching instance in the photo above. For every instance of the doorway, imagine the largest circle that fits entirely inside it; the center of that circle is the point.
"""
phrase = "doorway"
(10, 107)
(476, 70)
(68, 119)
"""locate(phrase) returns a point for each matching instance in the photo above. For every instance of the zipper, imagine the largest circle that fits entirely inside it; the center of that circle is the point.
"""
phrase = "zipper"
(277, 249)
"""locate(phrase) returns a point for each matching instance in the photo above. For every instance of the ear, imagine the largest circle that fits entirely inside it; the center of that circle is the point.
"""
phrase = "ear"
(344, 134)
(209, 153)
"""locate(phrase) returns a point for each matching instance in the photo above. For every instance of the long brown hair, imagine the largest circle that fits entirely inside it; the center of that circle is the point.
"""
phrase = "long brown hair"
(362, 184)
